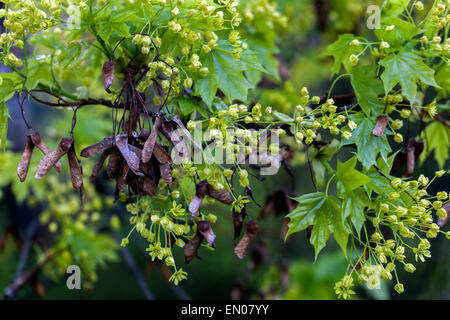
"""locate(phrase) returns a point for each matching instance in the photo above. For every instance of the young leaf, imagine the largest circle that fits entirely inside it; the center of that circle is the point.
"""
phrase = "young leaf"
(341, 50)
(369, 146)
(348, 177)
(353, 206)
(226, 74)
(325, 214)
(367, 89)
(406, 68)
(438, 140)
(3, 125)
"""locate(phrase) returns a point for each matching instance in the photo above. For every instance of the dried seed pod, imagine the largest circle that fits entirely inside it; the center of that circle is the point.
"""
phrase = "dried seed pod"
(99, 164)
(277, 203)
(201, 189)
(382, 122)
(191, 248)
(166, 175)
(168, 129)
(121, 182)
(101, 146)
(24, 163)
(130, 157)
(220, 195)
(151, 140)
(108, 74)
(136, 151)
(37, 140)
(149, 182)
(49, 160)
(143, 135)
(161, 154)
(414, 150)
(251, 228)
(76, 172)
(410, 157)
(204, 227)
(113, 166)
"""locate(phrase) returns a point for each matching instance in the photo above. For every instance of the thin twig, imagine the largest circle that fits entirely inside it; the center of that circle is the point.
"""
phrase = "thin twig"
(22, 110)
(135, 270)
(11, 290)
(311, 169)
(442, 120)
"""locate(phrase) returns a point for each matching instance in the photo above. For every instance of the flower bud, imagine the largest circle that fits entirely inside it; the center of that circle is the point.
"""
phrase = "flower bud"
(393, 196)
(355, 43)
(304, 91)
(405, 113)
(187, 83)
(419, 5)
(423, 180)
(124, 242)
(396, 183)
(439, 173)
(384, 45)
(376, 237)
(399, 288)
(315, 100)
(409, 267)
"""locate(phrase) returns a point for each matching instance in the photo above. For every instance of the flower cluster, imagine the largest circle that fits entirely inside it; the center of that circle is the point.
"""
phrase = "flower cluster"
(192, 42)
(161, 229)
(22, 18)
(402, 214)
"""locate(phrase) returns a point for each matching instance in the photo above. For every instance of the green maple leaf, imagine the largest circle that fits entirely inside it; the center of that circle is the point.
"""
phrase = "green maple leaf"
(348, 177)
(406, 68)
(367, 89)
(369, 146)
(354, 199)
(38, 72)
(227, 74)
(341, 50)
(319, 157)
(437, 137)
(353, 206)
(393, 8)
(324, 214)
